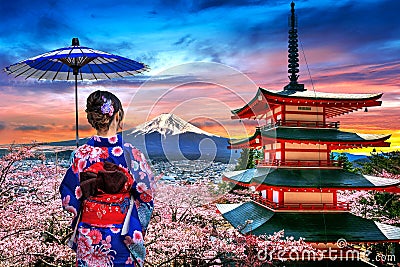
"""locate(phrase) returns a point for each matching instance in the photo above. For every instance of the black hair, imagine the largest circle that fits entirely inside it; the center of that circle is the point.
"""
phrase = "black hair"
(95, 116)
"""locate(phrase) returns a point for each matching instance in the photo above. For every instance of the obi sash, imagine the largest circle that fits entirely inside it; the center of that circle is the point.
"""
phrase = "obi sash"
(106, 209)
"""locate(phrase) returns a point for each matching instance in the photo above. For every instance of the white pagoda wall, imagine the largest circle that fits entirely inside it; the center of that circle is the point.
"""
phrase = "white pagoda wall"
(270, 151)
(303, 116)
(307, 197)
(306, 152)
(294, 152)
(304, 156)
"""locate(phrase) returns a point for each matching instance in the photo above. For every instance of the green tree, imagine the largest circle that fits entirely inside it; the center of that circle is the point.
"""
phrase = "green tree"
(382, 162)
(248, 158)
(243, 159)
(379, 164)
(386, 165)
(345, 162)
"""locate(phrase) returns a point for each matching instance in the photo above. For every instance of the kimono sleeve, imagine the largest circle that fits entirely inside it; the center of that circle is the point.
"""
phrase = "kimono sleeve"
(142, 188)
(70, 189)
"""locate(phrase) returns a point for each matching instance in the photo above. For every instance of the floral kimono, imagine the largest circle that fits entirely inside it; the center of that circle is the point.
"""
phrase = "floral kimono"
(108, 189)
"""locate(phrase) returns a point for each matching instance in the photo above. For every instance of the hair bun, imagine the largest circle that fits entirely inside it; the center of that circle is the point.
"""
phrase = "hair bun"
(101, 107)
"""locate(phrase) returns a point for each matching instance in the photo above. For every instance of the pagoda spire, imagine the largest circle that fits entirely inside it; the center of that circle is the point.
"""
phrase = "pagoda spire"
(293, 55)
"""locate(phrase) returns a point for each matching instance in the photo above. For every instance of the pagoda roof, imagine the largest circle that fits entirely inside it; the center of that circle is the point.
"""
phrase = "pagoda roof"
(314, 227)
(299, 177)
(311, 135)
(314, 95)
(335, 104)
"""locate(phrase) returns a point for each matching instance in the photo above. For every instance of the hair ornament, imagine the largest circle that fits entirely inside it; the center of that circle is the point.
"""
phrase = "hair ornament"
(107, 107)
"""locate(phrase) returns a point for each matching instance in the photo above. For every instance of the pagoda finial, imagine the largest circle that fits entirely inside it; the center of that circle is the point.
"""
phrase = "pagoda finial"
(293, 54)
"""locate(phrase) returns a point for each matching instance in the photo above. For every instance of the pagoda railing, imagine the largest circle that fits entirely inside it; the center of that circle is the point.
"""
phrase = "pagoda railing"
(293, 123)
(339, 206)
(300, 163)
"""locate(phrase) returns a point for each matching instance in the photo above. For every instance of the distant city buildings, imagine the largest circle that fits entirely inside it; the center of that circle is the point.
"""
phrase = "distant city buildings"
(179, 171)
(191, 171)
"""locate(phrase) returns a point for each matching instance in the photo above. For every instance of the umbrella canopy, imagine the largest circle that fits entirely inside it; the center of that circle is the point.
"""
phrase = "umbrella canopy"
(75, 63)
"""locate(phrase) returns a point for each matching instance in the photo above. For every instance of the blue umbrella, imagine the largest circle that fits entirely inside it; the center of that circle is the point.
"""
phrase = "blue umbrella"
(76, 62)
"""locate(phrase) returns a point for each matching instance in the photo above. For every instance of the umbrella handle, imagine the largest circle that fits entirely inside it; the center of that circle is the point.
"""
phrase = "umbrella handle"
(76, 110)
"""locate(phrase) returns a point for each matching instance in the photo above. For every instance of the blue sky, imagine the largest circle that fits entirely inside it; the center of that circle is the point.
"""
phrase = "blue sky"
(350, 46)
(219, 31)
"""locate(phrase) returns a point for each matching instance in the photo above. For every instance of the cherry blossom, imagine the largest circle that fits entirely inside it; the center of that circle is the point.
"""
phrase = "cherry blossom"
(113, 139)
(141, 187)
(117, 151)
(185, 227)
(78, 165)
(33, 227)
(137, 155)
(95, 236)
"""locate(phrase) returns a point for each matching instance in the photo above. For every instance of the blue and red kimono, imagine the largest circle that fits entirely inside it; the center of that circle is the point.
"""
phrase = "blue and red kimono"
(111, 212)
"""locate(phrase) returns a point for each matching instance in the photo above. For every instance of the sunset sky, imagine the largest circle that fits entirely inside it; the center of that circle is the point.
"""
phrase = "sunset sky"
(206, 58)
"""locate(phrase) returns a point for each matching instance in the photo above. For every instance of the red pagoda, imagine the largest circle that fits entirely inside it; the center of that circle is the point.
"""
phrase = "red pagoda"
(296, 184)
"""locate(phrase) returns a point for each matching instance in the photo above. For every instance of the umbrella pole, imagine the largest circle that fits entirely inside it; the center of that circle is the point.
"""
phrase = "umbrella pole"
(76, 110)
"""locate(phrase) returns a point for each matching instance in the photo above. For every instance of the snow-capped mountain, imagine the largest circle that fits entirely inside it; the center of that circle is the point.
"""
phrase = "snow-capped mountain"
(170, 137)
(167, 124)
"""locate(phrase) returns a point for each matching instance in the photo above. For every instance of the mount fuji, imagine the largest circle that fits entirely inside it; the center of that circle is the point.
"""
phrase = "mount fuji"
(169, 137)
(167, 124)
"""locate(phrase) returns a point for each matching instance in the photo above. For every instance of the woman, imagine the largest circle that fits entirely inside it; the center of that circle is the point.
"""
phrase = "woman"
(108, 190)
